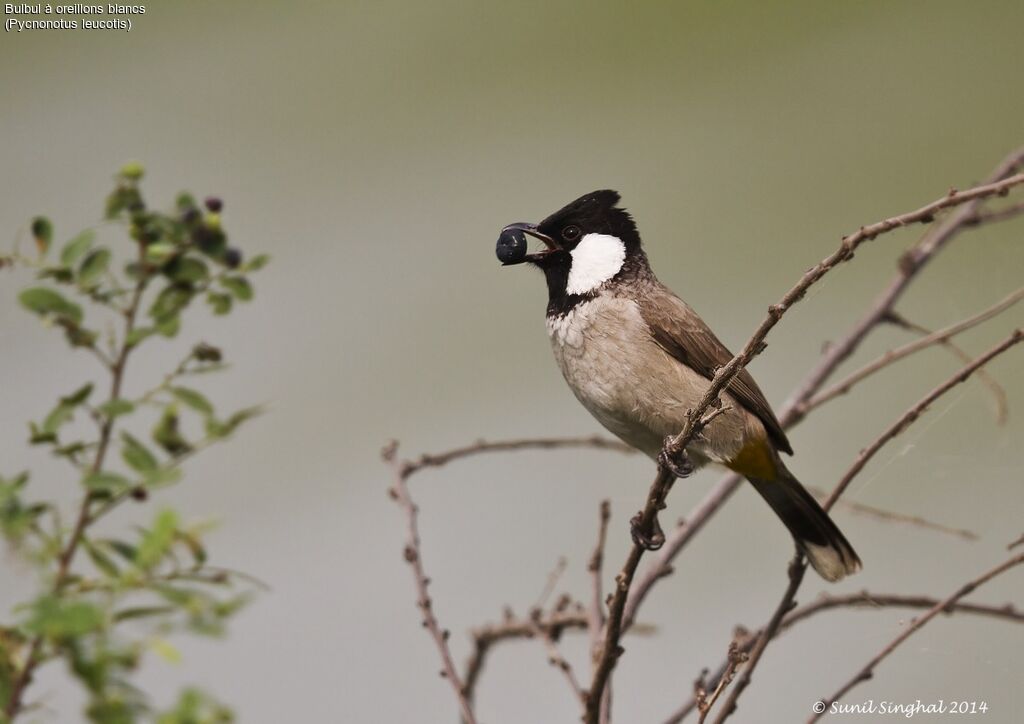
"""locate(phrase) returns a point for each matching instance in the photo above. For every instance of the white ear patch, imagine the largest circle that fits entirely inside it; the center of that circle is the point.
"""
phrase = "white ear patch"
(595, 260)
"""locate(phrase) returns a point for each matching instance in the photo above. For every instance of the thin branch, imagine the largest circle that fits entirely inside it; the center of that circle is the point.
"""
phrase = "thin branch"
(595, 615)
(1014, 544)
(511, 628)
(798, 565)
(735, 658)
(867, 671)
(908, 417)
(595, 612)
(998, 393)
(556, 659)
(987, 217)
(892, 356)
(862, 600)
(797, 568)
(400, 493)
(891, 516)
(550, 583)
(482, 446)
(866, 599)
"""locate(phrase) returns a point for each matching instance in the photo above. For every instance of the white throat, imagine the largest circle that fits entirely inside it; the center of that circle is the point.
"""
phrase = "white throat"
(595, 260)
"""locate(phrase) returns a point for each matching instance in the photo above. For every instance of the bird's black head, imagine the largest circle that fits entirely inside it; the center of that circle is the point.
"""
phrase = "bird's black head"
(588, 243)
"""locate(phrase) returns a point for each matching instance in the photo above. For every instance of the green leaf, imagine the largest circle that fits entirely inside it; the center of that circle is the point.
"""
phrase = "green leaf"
(100, 559)
(187, 269)
(157, 540)
(116, 408)
(137, 455)
(93, 267)
(162, 477)
(126, 614)
(221, 303)
(43, 301)
(171, 300)
(257, 262)
(184, 201)
(71, 449)
(239, 287)
(78, 396)
(169, 326)
(106, 482)
(38, 437)
(193, 399)
(57, 618)
(217, 429)
(42, 232)
(194, 545)
(75, 248)
(65, 409)
(121, 548)
(160, 252)
(166, 434)
(138, 334)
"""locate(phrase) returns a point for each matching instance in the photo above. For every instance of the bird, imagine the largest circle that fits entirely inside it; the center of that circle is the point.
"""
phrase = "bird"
(639, 358)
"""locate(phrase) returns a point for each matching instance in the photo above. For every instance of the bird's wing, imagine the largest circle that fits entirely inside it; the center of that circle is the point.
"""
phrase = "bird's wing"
(679, 331)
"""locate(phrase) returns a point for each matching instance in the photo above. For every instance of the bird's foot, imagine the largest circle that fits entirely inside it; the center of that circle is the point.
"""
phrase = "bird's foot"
(677, 463)
(650, 538)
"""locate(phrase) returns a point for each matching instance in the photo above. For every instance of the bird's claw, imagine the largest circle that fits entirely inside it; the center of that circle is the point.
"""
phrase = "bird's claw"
(679, 464)
(651, 539)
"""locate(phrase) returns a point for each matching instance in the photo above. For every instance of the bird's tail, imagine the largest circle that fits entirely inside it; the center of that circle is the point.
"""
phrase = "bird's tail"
(819, 538)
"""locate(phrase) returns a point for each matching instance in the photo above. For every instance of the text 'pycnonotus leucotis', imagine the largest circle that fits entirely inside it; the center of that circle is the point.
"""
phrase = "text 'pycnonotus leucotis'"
(639, 358)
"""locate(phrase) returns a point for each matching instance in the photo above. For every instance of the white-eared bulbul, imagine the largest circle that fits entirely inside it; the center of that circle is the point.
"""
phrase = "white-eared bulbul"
(638, 358)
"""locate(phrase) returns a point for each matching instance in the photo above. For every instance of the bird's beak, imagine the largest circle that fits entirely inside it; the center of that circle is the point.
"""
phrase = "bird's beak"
(531, 229)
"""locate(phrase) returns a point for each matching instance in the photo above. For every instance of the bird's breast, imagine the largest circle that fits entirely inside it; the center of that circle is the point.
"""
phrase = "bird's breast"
(624, 379)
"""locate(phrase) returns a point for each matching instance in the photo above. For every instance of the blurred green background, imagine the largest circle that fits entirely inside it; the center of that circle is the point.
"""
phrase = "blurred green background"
(375, 149)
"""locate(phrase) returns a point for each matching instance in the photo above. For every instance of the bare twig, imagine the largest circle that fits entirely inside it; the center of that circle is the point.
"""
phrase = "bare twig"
(891, 516)
(735, 658)
(596, 608)
(847, 383)
(908, 417)
(551, 582)
(867, 671)
(862, 600)
(556, 659)
(400, 493)
(511, 628)
(1014, 544)
(482, 446)
(998, 393)
(798, 566)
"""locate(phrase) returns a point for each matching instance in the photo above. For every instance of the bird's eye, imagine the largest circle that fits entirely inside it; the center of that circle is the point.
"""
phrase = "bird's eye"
(571, 232)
